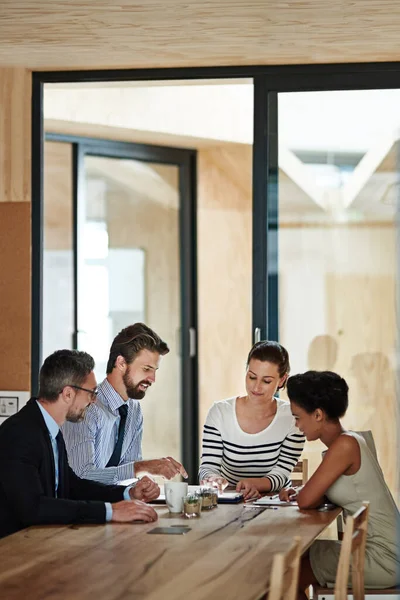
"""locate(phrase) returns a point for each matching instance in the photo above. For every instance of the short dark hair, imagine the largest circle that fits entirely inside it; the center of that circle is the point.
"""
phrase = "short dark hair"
(319, 389)
(131, 340)
(268, 351)
(63, 367)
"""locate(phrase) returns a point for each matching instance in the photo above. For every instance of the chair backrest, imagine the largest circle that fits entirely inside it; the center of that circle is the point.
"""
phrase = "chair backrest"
(369, 438)
(353, 546)
(300, 472)
(285, 573)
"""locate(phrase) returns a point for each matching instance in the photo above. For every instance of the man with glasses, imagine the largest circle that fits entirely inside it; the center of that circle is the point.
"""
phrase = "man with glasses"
(105, 445)
(37, 486)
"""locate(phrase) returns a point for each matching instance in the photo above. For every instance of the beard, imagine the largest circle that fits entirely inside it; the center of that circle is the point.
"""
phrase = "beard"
(133, 390)
(76, 417)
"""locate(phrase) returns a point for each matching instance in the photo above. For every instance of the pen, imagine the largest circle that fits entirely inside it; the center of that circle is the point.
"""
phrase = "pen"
(258, 507)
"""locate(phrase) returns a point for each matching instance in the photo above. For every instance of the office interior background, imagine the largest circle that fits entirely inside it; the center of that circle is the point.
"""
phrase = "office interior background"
(218, 191)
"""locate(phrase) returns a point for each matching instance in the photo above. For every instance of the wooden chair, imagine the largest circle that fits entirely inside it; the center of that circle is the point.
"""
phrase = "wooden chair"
(353, 546)
(369, 438)
(285, 573)
(300, 472)
(354, 539)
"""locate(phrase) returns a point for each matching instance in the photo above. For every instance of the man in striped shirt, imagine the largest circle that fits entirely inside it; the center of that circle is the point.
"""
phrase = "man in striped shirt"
(106, 445)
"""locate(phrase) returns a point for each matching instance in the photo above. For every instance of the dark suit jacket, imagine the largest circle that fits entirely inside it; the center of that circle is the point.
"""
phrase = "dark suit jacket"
(27, 479)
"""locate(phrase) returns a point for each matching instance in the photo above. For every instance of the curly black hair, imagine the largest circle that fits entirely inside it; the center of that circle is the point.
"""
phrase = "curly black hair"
(319, 389)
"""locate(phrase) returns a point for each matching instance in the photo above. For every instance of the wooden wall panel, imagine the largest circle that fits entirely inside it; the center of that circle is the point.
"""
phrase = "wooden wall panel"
(135, 33)
(15, 135)
(57, 195)
(15, 229)
(15, 295)
(224, 271)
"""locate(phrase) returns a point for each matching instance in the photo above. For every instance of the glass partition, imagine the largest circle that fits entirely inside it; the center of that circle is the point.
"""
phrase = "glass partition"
(338, 194)
(129, 271)
(58, 255)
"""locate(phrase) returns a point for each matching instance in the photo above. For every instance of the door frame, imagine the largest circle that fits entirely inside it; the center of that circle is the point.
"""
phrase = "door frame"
(185, 160)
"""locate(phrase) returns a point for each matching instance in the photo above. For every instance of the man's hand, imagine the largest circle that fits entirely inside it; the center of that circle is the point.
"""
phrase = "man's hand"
(146, 490)
(288, 494)
(166, 467)
(128, 511)
(248, 487)
(215, 481)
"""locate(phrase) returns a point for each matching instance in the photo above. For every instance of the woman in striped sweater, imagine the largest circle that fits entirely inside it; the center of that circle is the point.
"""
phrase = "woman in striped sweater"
(252, 441)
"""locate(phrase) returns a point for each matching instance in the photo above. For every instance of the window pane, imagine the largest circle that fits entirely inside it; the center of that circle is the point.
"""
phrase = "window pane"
(58, 280)
(129, 271)
(338, 192)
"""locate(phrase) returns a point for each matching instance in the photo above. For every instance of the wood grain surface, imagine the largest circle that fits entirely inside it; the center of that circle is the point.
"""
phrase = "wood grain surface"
(161, 33)
(227, 553)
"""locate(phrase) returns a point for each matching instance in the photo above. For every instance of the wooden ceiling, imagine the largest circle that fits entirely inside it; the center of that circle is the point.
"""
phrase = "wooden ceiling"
(76, 34)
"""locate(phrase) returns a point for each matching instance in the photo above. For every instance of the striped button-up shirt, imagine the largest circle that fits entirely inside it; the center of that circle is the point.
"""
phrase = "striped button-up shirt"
(234, 454)
(90, 443)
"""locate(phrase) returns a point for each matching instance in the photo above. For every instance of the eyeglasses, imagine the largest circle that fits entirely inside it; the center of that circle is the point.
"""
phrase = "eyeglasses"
(93, 393)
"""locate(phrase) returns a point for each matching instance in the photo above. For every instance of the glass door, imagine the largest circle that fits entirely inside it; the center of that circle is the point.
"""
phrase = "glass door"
(129, 271)
(120, 247)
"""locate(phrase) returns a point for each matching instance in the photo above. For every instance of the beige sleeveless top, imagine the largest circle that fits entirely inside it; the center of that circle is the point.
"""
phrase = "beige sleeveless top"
(349, 491)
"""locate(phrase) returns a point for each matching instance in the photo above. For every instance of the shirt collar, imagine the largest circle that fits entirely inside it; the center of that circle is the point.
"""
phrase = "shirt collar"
(51, 424)
(111, 396)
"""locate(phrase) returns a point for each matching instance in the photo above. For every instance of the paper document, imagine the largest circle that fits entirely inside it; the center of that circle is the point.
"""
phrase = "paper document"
(273, 501)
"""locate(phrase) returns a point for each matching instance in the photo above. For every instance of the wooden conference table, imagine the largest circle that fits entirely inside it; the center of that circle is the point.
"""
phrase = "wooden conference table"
(227, 554)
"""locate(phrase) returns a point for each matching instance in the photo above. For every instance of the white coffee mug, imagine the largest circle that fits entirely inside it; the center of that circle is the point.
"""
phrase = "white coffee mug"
(175, 492)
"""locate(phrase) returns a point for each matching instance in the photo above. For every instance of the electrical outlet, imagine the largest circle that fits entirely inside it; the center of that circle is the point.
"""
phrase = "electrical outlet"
(8, 405)
(11, 403)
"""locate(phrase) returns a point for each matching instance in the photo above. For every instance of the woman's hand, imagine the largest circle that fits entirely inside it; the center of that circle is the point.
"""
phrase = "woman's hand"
(249, 489)
(288, 495)
(215, 481)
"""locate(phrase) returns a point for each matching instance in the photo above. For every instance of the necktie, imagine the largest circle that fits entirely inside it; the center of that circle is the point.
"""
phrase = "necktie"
(61, 464)
(116, 455)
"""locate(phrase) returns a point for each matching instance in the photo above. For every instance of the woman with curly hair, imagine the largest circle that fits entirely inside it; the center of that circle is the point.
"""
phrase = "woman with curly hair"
(348, 474)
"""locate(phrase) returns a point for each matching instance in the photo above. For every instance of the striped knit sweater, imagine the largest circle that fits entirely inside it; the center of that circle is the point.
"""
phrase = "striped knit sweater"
(230, 452)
